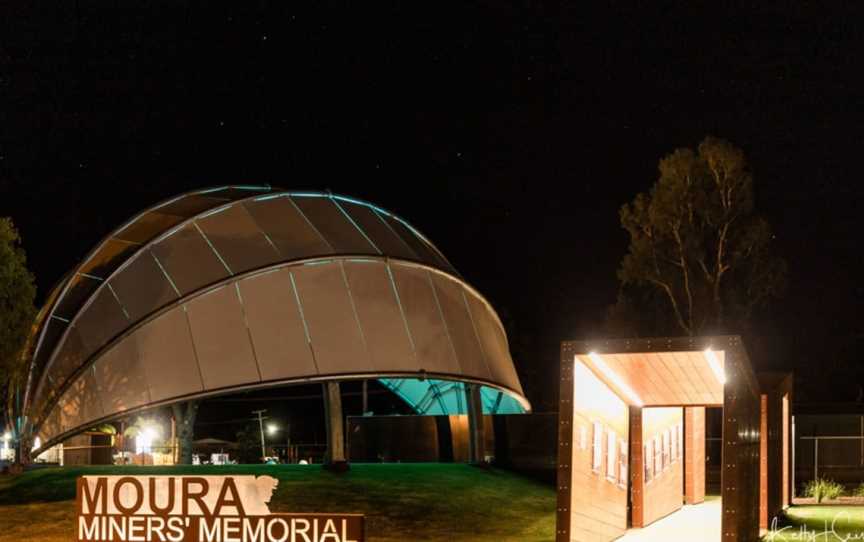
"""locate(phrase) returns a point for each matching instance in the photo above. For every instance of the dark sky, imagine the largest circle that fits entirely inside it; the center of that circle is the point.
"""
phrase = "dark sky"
(509, 133)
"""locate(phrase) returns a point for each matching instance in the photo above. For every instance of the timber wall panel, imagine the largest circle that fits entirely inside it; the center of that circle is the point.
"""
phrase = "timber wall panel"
(694, 455)
(774, 478)
(663, 494)
(598, 506)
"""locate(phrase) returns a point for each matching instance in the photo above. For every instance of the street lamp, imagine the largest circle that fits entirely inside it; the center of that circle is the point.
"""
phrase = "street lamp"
(144, 439)
(272, 428)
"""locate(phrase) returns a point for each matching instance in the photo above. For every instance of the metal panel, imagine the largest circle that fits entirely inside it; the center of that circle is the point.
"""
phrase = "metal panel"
(120, 378)
(109, 257)
(193, 204)
(81, 403)
(334, 225)
(494, 343)
(329, 314)
(80, 289)
(100, 321)
(460, 327)
(287, 228)
(189, 260)
(380, 316)
(276, 326)
(166, 351)
(69, 359)
(221, 339)
(432, 344)
(148, 226)
(387, 241)
(53, 330)
(236, 192)
(238, 239)
(142, 287)
(425, 252)
(51, 426)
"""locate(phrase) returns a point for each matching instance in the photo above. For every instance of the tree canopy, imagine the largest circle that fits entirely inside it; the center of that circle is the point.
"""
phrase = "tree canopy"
(17, 293)
(699, 253)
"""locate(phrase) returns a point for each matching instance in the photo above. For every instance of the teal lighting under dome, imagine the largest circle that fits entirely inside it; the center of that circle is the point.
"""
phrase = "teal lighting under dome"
(431, 397)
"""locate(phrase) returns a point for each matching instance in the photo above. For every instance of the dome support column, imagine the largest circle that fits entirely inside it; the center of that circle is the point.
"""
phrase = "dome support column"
(476, 435)
(334, 457)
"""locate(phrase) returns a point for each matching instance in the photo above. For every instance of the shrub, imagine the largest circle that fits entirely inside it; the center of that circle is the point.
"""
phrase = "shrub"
(821, 489)
(859, 491)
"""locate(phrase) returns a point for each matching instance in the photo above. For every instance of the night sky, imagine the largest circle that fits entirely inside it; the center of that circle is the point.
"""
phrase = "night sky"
(509, 134)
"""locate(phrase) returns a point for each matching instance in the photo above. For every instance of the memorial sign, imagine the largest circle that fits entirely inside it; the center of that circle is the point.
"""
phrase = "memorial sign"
(198, 509)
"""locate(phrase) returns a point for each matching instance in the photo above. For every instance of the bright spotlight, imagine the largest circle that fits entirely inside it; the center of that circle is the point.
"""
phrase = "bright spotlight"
(614, 378)
(715, 366)
(272, 428)
(144, 439)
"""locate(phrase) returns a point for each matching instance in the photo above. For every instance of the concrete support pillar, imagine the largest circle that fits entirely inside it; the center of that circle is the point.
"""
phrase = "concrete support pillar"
(694, 455)
(476, 438)
(335, 455)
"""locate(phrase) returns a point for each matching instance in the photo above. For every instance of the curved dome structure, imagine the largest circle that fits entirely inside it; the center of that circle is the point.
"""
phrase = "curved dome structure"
(244, 287)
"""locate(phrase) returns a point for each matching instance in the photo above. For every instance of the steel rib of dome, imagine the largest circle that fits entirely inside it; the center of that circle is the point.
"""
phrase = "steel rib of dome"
(242, 287)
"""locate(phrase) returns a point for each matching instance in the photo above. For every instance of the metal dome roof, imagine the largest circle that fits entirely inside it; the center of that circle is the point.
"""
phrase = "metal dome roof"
(247, 286)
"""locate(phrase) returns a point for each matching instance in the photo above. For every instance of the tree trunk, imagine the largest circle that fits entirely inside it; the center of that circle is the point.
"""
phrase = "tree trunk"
(335, 455)
(184, 419)
(23, 455)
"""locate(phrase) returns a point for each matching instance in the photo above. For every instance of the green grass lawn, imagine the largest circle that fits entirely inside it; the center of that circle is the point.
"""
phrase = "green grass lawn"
(820, 524)
(429, 501)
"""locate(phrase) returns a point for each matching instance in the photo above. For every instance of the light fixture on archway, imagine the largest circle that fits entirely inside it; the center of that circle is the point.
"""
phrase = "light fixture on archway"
(614, 378)
(716, 368)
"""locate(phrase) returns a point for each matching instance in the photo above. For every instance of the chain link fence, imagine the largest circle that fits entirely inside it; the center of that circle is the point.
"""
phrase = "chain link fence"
(828, 447)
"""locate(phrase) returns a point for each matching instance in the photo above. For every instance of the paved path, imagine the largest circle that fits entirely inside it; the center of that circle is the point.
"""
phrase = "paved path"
(697, 523)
